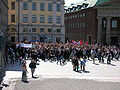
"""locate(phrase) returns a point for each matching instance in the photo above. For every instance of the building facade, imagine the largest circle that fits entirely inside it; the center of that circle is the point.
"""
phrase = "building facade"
(3, 17)
(94, 21)
(108, 15)
(81, 22)
(3, 35)
(36, 20)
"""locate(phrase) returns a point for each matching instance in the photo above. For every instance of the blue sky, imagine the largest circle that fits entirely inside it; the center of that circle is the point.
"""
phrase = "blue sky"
(68, 2)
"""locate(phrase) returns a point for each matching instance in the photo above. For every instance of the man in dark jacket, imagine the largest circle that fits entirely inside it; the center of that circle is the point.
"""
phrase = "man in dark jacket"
(32, 65)
(75, 64)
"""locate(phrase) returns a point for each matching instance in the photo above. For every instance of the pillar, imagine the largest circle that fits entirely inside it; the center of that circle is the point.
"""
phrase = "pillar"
(99, 30)
(108, 36)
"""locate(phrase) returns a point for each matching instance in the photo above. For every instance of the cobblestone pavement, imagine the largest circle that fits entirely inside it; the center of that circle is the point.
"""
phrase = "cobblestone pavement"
(66, 84)
(56, 77)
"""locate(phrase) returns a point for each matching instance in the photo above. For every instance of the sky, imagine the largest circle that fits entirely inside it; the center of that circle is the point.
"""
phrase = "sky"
(68, 2)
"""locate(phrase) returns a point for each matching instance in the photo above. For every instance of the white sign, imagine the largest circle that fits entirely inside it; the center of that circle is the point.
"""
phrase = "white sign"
(25, 45)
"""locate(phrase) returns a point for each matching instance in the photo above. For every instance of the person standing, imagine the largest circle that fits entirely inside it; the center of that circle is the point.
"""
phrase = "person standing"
(24, 73)
(93, 53)
(32, 65)
(82, 63)
(109, 59)
(76, 63)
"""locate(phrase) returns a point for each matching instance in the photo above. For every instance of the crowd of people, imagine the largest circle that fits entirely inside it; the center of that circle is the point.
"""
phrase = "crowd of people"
(62, 53)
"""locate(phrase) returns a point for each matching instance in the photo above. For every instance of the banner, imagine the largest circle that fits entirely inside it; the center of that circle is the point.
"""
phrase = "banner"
(26, 45)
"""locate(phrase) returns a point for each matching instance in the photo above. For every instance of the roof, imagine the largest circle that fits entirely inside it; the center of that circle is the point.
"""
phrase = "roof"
(81, 5)
(90, 2)
(101, 1)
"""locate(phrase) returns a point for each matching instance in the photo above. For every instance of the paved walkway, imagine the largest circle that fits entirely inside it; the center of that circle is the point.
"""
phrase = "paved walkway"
(66, 84)
(96, 72)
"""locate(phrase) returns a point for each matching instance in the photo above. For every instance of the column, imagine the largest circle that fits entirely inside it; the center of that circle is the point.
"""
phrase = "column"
(99, 29)
(54, 21)
(108, 36)
(62, 22)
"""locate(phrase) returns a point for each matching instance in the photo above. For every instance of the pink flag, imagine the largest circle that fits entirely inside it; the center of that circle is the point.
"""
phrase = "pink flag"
(86, 43)
(81, 42)
(73, 42)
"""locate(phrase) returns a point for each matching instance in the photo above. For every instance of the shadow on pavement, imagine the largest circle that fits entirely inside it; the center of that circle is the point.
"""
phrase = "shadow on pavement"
(1, 88)
(82, 71)
(35, 77)
(86, 71)
(96, 64)
(3, 85)
(112, 64)
(25, 81)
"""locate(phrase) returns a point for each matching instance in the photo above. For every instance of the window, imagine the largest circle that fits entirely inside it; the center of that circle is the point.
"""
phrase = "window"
(13, 39)
(83, 24)
(114, 24)
(58, 30)
(58, 7)
(13, 29)
(12, 5)
(34, 38)
(25, 18)
(83, 15)
(34, 6)
(25, 38)
(49, 30)
(42, 6)
(49, 19)
(42, 18)
(42, 30)
(25, 30)
(12, 18)
(49, 6)
(33, 29)
(34, 18)
(58, 20)
(25, 5)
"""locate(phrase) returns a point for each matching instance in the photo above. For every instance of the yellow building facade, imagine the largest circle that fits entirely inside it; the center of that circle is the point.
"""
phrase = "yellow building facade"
(36, 20)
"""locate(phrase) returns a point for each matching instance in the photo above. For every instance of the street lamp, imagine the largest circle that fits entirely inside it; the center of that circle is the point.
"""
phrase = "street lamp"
(18, 19)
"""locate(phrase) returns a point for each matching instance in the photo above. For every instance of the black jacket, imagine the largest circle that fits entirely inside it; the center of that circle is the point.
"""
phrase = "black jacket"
(32, 65)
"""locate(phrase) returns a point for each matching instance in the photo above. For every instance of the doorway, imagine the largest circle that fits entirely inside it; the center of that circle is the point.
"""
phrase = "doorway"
(114, 40)
(13, 39)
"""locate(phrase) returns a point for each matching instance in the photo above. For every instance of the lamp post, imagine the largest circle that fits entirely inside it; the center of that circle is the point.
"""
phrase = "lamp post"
(18, 19)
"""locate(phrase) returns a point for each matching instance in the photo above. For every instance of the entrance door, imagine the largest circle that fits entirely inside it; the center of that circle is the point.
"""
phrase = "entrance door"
(58, 39)
(114, 40)
(89, 39)
(41, 39)
(13, 39)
